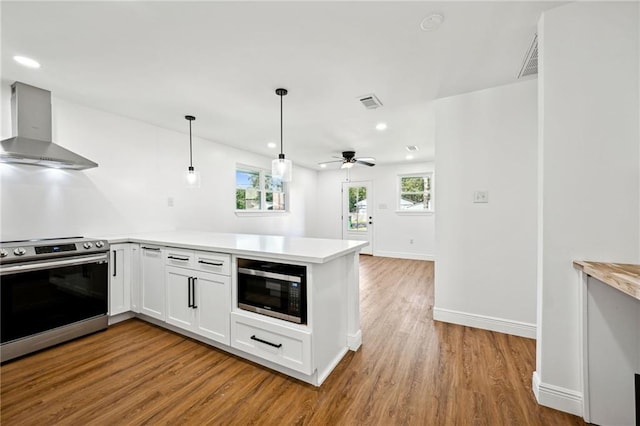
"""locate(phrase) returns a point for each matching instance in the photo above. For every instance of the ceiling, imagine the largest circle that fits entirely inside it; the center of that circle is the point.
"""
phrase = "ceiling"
(222, 61)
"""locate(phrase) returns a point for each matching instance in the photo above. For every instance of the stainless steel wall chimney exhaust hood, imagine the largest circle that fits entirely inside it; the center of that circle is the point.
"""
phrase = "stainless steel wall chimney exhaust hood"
(31, 125)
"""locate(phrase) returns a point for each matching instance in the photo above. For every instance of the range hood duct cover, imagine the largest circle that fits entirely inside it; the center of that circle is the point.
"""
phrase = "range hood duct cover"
(31, 123)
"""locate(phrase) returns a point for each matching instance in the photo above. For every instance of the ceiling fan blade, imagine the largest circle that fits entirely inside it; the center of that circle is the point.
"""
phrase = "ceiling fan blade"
(366, 163)
(367, 159)
(329, 162)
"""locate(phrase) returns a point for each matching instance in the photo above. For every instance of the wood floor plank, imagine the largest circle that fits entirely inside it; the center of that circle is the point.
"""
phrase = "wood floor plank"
(410, 370)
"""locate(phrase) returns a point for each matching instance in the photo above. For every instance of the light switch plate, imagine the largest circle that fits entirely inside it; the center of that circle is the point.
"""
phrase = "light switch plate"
(481, 197)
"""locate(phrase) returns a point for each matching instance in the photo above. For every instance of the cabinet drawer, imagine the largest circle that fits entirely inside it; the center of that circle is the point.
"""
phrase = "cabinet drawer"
(217, 263)
(279, 344)
(179, 257)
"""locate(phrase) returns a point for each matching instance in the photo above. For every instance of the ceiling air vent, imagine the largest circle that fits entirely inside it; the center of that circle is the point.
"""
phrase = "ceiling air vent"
(530, 63)
(370, 101)
(412, 148)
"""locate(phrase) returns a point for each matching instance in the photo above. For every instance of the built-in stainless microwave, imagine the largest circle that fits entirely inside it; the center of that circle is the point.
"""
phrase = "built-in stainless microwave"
(274, 289)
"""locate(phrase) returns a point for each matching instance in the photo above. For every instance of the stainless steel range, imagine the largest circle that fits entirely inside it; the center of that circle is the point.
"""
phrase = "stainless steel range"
(51, 291)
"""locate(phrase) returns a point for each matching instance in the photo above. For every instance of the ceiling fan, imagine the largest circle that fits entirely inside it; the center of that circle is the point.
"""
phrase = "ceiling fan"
(348, 159)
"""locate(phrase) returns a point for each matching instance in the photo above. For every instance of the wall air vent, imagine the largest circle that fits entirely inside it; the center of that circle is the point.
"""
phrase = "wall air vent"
(412, 148)
(370, 101)
(530, 63)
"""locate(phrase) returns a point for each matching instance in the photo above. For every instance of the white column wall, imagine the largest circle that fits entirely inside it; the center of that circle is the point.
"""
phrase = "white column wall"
(486, 253)
(589, 174)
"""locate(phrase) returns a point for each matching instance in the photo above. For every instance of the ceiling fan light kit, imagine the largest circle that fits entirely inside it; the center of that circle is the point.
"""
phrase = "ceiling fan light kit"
(281, 167)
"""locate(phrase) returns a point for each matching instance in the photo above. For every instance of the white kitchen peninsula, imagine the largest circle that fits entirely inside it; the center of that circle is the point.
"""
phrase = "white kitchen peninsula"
(161, 261)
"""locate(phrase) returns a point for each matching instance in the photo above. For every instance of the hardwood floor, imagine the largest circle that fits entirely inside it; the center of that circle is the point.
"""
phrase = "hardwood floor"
(409, 371)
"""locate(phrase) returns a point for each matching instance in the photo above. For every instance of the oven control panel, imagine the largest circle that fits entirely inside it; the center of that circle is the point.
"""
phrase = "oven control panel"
(27, 250)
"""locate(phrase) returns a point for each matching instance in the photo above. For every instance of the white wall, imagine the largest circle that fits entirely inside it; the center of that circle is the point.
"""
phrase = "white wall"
(140, 168)
(589, 186)
(485, 273)
(392, 231)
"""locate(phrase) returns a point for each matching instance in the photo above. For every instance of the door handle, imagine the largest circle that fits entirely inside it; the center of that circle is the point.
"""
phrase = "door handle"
(189, 304)
(193, 292)
(115, 264)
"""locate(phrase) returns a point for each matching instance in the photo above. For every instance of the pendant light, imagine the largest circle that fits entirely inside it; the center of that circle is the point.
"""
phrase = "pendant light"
(191, 177)
(281, 167)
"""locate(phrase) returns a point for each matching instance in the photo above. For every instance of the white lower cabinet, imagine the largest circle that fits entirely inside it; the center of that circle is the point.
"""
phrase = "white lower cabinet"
(120, 279)
(199, 302)
(286, 346)
(152, 286)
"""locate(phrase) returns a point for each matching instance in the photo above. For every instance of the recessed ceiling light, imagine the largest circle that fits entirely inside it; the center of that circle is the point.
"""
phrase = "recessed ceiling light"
(323, 166)
(432, 22)
(381, 126)
(27, 62)
(409, 157)
(271, 145)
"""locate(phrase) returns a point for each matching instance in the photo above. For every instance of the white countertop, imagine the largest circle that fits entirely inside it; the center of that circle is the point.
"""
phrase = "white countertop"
(312, 250)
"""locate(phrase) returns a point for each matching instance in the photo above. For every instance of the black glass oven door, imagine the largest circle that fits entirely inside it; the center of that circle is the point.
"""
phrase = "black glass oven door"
(43, 299)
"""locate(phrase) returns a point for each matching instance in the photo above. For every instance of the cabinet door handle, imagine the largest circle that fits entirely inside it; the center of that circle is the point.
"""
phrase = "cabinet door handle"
(211, 263)
(193, 292)
(115, 263)
(184, 259)
(151, 248)
(189, 304)
(279, 345)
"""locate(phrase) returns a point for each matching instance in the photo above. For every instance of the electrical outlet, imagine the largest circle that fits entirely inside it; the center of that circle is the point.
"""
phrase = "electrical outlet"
(170, 201)
(411, 241)
(481, 197)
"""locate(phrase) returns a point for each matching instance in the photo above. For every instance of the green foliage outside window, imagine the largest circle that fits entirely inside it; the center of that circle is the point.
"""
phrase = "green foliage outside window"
(415, 192)
(257, 190)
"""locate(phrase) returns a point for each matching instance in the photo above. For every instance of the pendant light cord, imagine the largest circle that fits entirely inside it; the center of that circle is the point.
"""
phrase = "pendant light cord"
(190, 118)
(281, 147)
(190, 147)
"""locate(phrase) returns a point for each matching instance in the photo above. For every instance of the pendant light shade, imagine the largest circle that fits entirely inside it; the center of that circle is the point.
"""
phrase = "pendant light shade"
(191, 177)
(281, 167)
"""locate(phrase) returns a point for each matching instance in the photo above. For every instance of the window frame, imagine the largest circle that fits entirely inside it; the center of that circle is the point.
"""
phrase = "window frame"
(263, 190)
(423, 175)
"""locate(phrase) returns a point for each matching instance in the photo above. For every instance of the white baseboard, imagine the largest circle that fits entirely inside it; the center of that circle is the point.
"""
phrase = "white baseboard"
(556, 397)
(401, 255)
(500, 325)
(114, 319)
(354, 341)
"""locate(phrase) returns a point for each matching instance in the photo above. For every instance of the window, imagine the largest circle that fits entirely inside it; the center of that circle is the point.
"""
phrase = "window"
(416, 193)
(257, 190)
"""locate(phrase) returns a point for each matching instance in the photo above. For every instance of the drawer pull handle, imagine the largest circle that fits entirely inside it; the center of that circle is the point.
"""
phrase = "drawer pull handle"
(184, 259)
(279, 345)
(211, 263)
(151, 248)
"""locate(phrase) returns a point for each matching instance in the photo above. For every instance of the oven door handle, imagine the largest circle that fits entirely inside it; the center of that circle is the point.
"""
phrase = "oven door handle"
(36, 266)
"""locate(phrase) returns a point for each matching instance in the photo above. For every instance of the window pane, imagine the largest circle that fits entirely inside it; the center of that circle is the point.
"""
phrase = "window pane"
(277, 201)
(247, 179)
(412, 202)
(273, 184)
(412, 184)
(357, 219)
(240, 203)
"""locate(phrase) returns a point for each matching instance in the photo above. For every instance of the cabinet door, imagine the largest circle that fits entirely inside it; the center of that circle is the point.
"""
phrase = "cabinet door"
(213, 300)
(179, 288)
(120, 279)
(152, 282)
(134, 277)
